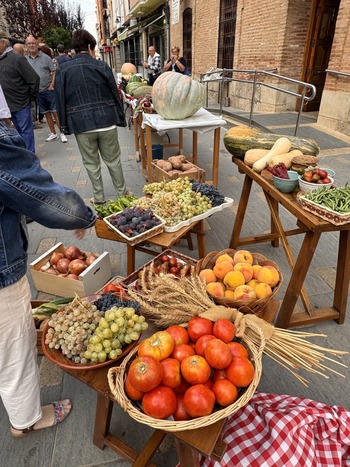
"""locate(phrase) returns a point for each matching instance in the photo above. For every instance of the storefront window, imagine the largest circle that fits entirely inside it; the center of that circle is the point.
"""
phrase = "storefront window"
(187, 37)
(227, 28)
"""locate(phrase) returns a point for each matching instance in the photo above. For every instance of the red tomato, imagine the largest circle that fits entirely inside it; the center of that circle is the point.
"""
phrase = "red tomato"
(327, 180)
(209, 383)
(202, 343)
(323, 174)
(218, 354)
(179, 334)
(240, 372)
(180, 412)
(198, 326)
(238, 350)
(199, 401)
(307, 179)
(131, 392)
(159, 345)
(307, 174)
(174, 270)
(225, 392)
(173, 261)
(225, 330)
(160, 402)
(171, 372)
(195, 369)
(182, 387)
(145, 373)
(181, 351)
(164, 258)
(218, 374)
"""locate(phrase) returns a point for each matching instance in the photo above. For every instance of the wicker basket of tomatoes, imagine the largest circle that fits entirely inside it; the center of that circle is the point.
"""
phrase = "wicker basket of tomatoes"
(183, 379)
(243, 280)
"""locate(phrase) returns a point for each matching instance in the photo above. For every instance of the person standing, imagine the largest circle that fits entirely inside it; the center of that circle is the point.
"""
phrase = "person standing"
(27, 189)
(153, 65)
(19, 83)
(45, 68)
(19, 49)
(62, 57)
(89, 106)
(175, 63)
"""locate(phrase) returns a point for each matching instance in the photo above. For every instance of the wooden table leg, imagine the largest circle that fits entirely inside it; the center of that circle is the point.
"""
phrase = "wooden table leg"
(216, 156)
(149, 153)
(201, 239)
(103, 415)
(195, 148)
(181, 141)
(296, 281)
(150, 449)
(287, 249)
(130, 259)
(187, 456)
(242, 207)
(273, 205)
(142, 142)
(342, 279)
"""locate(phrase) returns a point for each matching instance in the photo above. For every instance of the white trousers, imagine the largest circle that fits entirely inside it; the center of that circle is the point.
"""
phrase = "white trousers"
(19, 372)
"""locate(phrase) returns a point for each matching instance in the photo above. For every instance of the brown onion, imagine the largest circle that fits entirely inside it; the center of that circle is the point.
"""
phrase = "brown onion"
(51, 271)
(73, 252)
(77, 266)
(55, 257)
(62, 265)
(72, 276)
(90, 259)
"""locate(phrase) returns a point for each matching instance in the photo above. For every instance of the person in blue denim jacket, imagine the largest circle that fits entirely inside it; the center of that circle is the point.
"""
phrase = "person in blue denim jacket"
(26, 189)
(89, 106)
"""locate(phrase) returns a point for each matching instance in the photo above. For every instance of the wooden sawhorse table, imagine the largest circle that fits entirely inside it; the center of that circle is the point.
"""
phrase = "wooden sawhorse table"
(312, 227)
(163, 240)
(189, 443)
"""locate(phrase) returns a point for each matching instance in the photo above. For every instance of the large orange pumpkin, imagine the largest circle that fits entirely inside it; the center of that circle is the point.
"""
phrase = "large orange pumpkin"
(127, 70)
(176, 96)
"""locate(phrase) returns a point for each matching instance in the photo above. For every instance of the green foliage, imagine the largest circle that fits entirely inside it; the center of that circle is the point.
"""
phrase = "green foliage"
(53, 36)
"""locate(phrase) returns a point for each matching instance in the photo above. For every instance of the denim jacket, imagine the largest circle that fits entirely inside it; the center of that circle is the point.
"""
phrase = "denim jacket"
(26, 189)
(87, 96)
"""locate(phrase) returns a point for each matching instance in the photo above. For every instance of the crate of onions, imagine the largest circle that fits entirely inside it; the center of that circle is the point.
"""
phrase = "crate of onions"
(65, 271)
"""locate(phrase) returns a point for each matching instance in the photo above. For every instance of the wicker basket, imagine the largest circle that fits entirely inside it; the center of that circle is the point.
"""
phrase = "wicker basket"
(117, 375)
(260, 307)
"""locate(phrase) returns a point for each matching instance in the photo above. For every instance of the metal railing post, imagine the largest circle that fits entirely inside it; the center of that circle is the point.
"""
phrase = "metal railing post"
(253, 99)
(300, 110)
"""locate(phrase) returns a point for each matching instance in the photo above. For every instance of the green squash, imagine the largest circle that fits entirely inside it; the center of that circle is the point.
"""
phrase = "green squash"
(142, 90)
(239, 139)
(131, 87)
(176, 96)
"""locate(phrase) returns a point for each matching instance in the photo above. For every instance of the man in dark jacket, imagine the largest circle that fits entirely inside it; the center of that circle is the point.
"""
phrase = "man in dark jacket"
(19, 83)
(89, 106)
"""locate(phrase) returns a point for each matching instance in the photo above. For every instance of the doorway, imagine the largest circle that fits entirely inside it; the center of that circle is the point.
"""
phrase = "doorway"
(319, 46)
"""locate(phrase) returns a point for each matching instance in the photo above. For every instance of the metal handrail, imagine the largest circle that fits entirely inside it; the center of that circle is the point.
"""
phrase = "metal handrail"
(341, 73)
(307, 94)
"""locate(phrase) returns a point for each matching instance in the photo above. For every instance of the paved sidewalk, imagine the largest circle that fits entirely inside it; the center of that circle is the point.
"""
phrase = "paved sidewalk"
(71, 443)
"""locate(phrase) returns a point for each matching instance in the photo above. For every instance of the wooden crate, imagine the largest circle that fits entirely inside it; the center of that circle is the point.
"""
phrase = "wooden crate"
(159, 174)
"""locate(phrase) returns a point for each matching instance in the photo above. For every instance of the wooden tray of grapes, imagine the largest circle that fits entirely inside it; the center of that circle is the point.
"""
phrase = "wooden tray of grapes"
(57, 357)
(122, 223)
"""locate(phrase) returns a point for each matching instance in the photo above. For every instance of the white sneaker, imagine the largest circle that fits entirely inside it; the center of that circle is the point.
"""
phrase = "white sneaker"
(51, 137)
(63, 138)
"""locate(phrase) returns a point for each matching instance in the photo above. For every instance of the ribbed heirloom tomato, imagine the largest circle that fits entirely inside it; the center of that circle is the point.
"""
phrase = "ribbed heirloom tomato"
(181, 351)
(160, 402)
(202, 343)
(180, 412)
(218, 354)
(240, 372)
(171, 372)
(195, 369)
(159, 345)
(238, 350)
(225, 330)
(145, 373)
(225, 392)
(131, 392)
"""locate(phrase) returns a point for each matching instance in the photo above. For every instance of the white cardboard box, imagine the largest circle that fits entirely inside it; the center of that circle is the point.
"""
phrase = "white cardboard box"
(90, 280)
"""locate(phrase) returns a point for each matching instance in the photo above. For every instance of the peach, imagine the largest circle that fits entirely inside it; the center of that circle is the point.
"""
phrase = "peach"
(243, 256)
(221, 269)
(233, 279)
(244, 292)
(262, 290)
(216, 288)
(253, 283)
(269, 275)
(207, 276)
(246, 269)
(229, 294)
(256, 269)
(224, 257)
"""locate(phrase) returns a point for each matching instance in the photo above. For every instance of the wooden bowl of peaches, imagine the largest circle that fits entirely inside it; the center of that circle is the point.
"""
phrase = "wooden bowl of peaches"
(240, 279)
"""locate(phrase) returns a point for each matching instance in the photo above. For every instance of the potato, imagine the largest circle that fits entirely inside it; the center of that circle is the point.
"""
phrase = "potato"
(177, 161)
(174, 172)
(167, 166)
(160, 163)
(186, 166)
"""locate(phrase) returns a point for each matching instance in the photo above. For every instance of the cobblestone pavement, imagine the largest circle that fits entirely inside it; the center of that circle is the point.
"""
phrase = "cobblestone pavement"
(71, 443)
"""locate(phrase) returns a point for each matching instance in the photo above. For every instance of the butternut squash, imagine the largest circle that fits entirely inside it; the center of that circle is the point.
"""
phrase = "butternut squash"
(253, 155)
(285, 158)
(281, 146)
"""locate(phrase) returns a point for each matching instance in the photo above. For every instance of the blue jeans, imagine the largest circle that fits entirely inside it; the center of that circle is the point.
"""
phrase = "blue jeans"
(22, 119)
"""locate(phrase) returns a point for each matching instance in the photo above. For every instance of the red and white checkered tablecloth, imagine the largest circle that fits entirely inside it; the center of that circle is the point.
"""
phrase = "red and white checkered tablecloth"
(275, 430)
